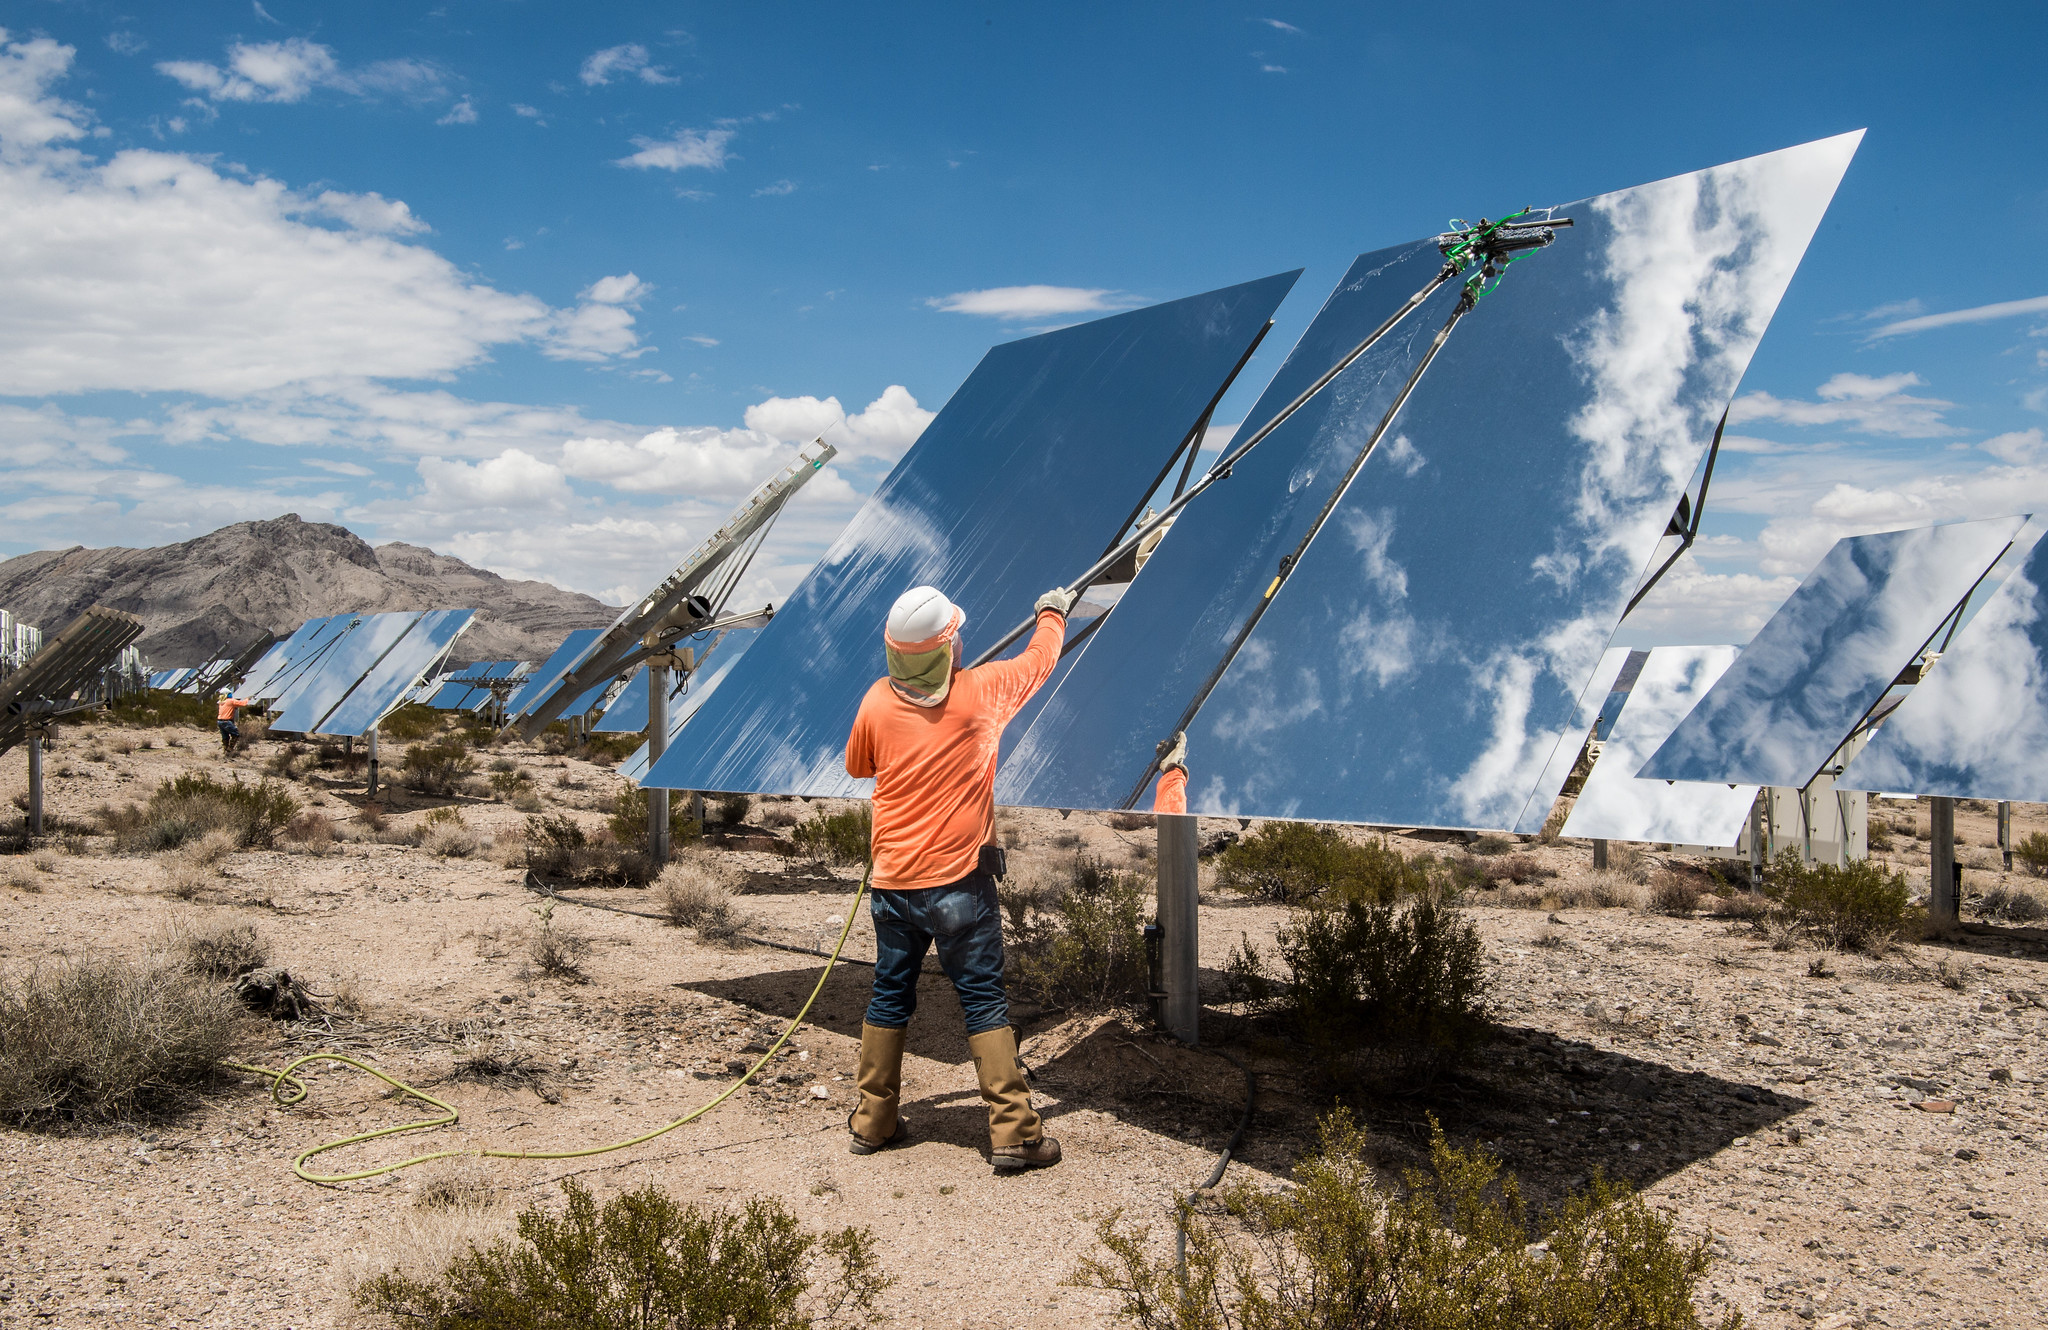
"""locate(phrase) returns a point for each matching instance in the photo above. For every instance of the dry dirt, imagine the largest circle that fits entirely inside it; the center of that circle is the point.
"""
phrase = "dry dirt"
(1864, 1136)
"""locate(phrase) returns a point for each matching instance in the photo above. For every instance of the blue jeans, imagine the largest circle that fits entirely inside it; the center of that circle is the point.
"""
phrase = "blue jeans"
(228, 733)
(965, 921)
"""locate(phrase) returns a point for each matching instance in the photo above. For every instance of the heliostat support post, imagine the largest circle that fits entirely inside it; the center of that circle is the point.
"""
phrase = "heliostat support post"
(1943, 886)
(2005, 831)
(1180, 923)
(657, 744)
(35, 782)
(371, 746)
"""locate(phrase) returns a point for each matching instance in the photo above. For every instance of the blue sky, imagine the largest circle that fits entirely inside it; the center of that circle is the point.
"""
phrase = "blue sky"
(549, 286)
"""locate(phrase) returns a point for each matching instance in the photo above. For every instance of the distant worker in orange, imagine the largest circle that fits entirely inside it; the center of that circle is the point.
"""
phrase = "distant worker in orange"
(928, 734)
(230, 734)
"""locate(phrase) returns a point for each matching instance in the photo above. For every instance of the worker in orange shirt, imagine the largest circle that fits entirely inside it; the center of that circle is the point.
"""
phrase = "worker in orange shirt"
(230, 734)
(1171, 794)
(928, 734)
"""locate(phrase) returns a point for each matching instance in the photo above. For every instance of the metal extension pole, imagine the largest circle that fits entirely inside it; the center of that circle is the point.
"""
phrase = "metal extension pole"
(1291, 561)
(370, 743)
(1944, 886)
(1180, 925)
(1221, 470)
(2005, 831)
(657, 744)
(35, 782)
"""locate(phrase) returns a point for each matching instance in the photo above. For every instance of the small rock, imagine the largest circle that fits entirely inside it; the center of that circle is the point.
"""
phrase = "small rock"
(820, 1092)
(1966, 1154)
(1937, 1106)
(736, 1066)
(2001, 1074)
(1805, 1061)
(1766, 1040)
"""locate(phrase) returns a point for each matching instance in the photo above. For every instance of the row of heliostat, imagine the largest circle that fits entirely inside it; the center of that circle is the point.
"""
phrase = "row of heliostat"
(342, 674)
(1434, 658)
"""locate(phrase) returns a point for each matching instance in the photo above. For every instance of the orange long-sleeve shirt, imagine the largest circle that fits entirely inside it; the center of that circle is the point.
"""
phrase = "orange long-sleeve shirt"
(935, 767)
(1171, 794)
(229, 705)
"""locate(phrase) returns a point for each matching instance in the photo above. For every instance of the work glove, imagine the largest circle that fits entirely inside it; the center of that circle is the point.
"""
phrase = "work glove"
(1059, 600)
(1174, 752)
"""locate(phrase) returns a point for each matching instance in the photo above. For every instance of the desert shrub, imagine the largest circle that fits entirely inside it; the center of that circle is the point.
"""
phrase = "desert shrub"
(836, 838)
(1674, 894)
(2032, 851)
(629, 820)
(288, 761)
(1078, 939)
(188, 807)
(555, 951)
(1122, 821)
(1403, 982)
(557, 848)
(610, 749)
(1856, 906)
(1878, 835)
(642, 1261)
(506, 784)
(528, 801)
(444, 832)
(411, 723)
(1741, 906)
(2015, 905)
(1519, 869)
(1493, 843)
(1293, 862)
(313, 830)
(695, 894)
(730, 810)
(779, 816)
(102, 1040)
(220, 951)
(437, 768)
(152, 709)
(1453, 1251)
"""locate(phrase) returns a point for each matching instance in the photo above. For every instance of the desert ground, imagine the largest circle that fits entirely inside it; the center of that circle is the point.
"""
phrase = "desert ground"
(1862, 1135)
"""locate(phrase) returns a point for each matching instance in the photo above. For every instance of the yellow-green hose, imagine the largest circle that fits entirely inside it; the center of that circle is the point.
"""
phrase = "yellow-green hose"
(287, 1089)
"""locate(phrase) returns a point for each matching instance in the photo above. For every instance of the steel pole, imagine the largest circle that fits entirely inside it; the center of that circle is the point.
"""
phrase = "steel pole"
(35, 782)
(657, 744)
(2005, 831)
(371, 793)
(1180, 925)
(1943, 889)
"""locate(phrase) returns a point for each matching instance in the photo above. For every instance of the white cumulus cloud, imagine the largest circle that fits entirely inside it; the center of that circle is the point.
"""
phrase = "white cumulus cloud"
(514, 478)
(681, 151)
(1031, 302)
(289, 71)
(889, 425)
(628, 61)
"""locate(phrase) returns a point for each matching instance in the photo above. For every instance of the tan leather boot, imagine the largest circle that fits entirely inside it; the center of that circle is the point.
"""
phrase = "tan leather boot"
(1016, 1137)
(880, 1081)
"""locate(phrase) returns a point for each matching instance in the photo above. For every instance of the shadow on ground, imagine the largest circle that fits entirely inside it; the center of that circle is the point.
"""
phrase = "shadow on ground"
(1554, 1109)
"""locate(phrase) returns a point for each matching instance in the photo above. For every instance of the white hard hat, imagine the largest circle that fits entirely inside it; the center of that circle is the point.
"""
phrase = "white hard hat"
(921, 614)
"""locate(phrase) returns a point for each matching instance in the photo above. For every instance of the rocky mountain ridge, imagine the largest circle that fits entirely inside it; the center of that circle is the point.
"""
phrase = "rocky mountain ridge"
(211, 595)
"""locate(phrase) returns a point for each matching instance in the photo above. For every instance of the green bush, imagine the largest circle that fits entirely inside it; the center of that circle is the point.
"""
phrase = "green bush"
(1452, 1253)
(2033, 852)
(1079, 941)
(154, 707)
(1294, 862)
(108, 1040)
(1404, 983)
(189, 806)
(557, 848)
(629, 820)
(610, 748)
(730, 810)
(437, 768)
(836, 838)
(643, 1262)
(1856, 906)
(411, 723)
